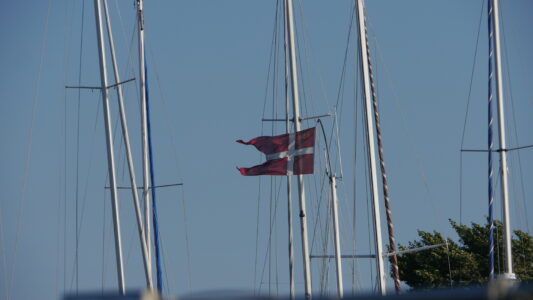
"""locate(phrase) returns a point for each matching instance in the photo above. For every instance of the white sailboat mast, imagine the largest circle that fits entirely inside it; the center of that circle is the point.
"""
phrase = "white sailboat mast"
(336, 233)
(371, 147)
(297, 125)
(508, 270)
(289, 177)
(110, 155)
(125, 135)
(144, 132)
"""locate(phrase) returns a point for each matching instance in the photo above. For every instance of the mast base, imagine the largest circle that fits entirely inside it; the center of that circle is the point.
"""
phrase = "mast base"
(507, 276)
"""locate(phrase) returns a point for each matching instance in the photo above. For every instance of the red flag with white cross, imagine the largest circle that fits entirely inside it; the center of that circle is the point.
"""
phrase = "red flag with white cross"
(286, 154)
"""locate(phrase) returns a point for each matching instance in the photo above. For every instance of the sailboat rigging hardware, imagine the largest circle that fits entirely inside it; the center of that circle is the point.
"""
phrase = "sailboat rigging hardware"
(384, 254)
(498, 150)
(99, 87)
(151, 187)
(300, 119)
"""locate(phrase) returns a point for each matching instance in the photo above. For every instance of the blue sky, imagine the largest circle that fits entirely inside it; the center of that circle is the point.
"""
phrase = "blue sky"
(208, 65)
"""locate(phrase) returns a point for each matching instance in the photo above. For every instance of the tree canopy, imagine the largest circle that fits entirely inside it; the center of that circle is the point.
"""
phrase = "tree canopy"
(465, 262)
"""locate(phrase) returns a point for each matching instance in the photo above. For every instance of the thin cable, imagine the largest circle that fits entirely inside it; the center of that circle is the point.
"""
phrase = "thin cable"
(272, 52)
(29, 150)
(68, 35)
(2, 249)
(357, 87)
(85, 192)
(392, 240)
(409, 136)
(367, 180)
(57, 211)
(340, 91)
(155, 220)
(80, 68)
(257, 238)
(268, 248)
(174, 147)
(289, 178)
(103, 242)
(515, 131)
(187, 240)
(466, 116)
(163, 254)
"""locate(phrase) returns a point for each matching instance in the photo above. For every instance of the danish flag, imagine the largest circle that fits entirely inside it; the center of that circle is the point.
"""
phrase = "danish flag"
(286, 154)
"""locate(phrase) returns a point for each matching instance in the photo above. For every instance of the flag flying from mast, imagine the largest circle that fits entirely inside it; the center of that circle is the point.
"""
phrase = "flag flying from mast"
(286, 154)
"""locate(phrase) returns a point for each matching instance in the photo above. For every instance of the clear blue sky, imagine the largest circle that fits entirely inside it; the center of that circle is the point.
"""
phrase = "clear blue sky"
(208, 66)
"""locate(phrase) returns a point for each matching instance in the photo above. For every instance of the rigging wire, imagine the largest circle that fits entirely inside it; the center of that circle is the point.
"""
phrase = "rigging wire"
(103, 240)
(309, 56)
(85, 192)
(392, 241)
(357, 87)
(166, 287)
(155, 220)
(373, 281)
(80, 68)
(269, 249)
(308, 106)
(319, 184)
(340, 91)
(515, 131)
(257, 240)
(65, 194)
(176, 160)
(301, 42)
(66, 62)
(272, 193)
(58, 210)
(517, 141)
(466, 115)
(272, 197)
(187, 239)
(356, 118)
(368, 200)
(408, 134)
(29, 151)
(270, 72)
(286, 61)
(2, 249)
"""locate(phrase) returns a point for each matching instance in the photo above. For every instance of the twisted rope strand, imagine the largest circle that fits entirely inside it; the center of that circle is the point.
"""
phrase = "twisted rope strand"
(392, 241)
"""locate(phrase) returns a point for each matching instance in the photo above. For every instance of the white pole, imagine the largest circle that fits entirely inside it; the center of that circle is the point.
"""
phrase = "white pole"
(296, 114)
(289, 185)
(144, 132)
(110, 155)
(335, 213)
(371, 150)
(508, 270)
(125, 135)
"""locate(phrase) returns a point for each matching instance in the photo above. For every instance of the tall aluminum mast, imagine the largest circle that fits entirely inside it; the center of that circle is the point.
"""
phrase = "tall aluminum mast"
(296, 114)
(125, 135)
(289, 184)
(336, 232)
(371, 148)
(144, 132)
(508, 268)
(110, 155)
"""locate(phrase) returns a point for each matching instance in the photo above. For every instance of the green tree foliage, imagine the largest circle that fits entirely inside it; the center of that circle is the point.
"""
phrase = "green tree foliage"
(463, 263)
